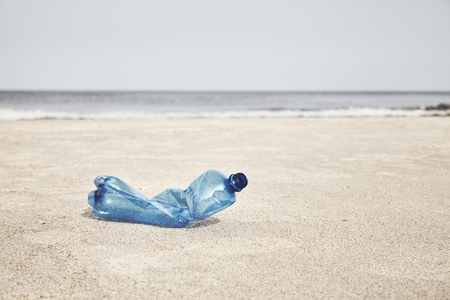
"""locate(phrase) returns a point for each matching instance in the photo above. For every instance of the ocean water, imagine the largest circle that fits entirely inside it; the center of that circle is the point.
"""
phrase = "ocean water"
(136, 105)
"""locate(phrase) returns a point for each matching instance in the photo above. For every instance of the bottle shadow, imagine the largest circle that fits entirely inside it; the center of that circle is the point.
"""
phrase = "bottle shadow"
(193, 224)
(202, 223)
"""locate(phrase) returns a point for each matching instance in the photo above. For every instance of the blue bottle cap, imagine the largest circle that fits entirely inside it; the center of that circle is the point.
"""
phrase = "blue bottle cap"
(238, 181)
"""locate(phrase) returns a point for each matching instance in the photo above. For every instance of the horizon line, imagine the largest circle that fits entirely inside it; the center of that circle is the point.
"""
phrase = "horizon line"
(225, 91)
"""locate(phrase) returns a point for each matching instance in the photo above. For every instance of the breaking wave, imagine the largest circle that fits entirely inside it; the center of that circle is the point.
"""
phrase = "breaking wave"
(12, 114)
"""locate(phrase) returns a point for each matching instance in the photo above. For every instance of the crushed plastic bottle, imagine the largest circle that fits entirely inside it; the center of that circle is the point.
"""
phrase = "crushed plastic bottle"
(210, 193)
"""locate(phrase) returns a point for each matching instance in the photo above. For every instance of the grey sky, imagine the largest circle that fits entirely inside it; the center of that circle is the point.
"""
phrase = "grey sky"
(225, 45)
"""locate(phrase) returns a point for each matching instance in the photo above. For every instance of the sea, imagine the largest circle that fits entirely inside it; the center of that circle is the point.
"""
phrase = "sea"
(89, 105)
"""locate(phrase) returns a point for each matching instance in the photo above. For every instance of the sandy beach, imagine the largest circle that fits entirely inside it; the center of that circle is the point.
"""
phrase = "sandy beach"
(335, 208)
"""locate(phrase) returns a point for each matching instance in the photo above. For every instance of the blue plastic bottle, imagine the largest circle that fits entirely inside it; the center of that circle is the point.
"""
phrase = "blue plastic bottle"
(205, 196)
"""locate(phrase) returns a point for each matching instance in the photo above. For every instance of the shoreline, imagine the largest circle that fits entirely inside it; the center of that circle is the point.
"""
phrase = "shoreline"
(440, 110)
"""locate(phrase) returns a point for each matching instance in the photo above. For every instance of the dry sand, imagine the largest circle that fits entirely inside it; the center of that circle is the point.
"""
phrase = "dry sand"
(335, 208)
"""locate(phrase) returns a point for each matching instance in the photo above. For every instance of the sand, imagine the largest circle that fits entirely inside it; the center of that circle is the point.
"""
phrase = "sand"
(335, 208)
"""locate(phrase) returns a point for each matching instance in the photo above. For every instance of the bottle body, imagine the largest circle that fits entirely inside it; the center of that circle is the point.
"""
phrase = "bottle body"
(205, 196)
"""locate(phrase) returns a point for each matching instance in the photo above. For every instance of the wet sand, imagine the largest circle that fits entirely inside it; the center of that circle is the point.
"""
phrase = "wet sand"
(335, 208)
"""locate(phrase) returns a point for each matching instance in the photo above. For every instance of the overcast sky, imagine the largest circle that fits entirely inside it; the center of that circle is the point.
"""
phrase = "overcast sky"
(225, 45)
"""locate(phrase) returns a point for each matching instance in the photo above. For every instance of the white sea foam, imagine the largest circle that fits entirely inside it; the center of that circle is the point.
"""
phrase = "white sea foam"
(11, 114)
